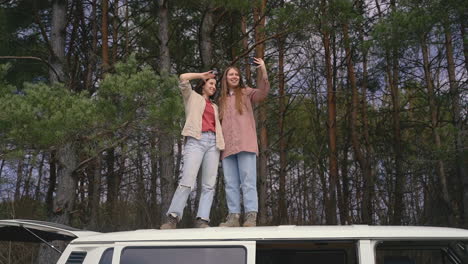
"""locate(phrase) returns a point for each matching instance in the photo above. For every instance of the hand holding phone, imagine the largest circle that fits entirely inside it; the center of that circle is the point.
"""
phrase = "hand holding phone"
(252, 62)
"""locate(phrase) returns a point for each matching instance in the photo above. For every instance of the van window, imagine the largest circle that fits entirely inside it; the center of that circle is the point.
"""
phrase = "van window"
(306, 252)
(76, 257)
(183, 255)
(106, 257)
(421, 252)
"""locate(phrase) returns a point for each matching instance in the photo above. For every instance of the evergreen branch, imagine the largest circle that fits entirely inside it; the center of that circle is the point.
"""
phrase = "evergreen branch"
(283, 33)
(32, 58)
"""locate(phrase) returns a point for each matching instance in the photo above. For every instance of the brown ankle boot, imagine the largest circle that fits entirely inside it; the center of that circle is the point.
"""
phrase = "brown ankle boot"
(232, 220)
(250, 219)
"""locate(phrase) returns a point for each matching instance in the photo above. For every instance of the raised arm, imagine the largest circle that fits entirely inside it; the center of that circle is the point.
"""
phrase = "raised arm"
(184, 79)
(263, 86)
(195, 75)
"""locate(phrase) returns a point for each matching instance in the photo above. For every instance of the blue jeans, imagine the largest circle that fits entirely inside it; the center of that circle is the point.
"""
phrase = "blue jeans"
(197, 152)
(240, 172)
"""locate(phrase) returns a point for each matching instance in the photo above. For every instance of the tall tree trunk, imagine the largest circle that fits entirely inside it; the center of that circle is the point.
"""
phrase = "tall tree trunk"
(163, 36)
(105, 36)
(49, 200)
(127, 39)
(166, 139)
(57, 41)
(94, 179)
(206, 41)
(440, 170)
(245, 46)
(66, 153)
(28, 179)
(365, 122)
(92, 53)
(141, 204)
(153, 181)
(457, 123)
(112, 191)
(283, 211)
(1, 169)
(392, 75)
(115, 32)
(463, 27)
(40, 174)
(19, 180)
(66, 185)
(330, 210)
(343, 191)
(259, 18)
(366, 207)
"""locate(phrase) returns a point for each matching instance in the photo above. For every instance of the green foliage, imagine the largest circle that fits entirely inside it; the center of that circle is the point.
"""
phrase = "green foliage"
(43, 116)
(139, 93)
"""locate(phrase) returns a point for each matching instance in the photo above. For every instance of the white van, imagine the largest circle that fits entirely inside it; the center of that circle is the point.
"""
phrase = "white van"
(255, 245)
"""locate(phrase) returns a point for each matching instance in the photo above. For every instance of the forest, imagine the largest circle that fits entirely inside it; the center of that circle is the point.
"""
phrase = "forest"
(365, 122)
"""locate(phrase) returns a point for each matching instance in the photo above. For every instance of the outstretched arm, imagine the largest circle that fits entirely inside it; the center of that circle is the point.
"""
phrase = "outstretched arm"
(195, 75)
(263, 86)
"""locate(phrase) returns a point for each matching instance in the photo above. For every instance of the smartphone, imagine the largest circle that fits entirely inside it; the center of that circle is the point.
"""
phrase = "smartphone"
(252, 62)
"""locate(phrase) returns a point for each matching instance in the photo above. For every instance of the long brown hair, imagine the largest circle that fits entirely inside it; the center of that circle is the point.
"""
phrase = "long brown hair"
(225, 91)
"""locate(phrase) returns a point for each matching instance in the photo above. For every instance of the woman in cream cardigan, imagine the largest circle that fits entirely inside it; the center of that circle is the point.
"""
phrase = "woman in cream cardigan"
(202, 148)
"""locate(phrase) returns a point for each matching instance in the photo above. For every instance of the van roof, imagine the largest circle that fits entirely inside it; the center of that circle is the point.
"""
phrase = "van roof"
(351, 232)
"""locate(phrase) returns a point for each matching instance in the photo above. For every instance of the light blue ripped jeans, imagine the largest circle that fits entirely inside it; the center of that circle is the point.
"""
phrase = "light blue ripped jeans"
(240, 173)
(197, 152)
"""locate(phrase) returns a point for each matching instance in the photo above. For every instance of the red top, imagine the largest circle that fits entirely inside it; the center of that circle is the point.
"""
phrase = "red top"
(208, 119)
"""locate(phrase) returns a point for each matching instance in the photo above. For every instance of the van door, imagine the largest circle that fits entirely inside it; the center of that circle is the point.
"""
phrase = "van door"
(182, 252)
(20, 230)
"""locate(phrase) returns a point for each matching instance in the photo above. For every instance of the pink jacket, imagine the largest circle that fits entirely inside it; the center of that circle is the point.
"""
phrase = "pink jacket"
(239, 131)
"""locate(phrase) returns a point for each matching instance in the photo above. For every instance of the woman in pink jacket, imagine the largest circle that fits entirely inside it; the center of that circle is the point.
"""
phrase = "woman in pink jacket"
(202, 148)
(239, 157)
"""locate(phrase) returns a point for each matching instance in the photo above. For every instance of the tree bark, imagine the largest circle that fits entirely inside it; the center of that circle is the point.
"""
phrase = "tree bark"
(440, 170)
(92, 53)
(457, 121)
(367, 141)
(153, 181)
(366, 207)
(245, 46)
(66, 153)
(330, 210)
(283, 211)
(166, 140)
(115, 32)
(94, 179)
(463, 26)
(206, 42)
(112, 191)
(40, 174)
(392, 76)
(259, 18)
(57, 41)
(49, 200)
(163, 36)
(19, 180)
(105, 36)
